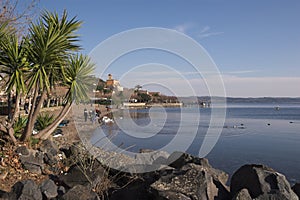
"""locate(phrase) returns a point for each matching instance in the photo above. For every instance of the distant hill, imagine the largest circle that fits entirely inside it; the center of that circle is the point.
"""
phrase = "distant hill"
(260, 100)
(273, 100)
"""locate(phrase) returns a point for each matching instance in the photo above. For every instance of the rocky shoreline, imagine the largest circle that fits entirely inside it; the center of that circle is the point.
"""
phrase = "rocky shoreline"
(72, 173)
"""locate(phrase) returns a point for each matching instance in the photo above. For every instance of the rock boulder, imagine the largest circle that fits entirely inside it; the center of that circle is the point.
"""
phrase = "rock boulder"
(179, 159)
(296, 189)
(262, 182)
(242, 195)
(50, 150)
(78, 176)
(80, 192)
(157, 157)
(26, 189)
(49, 189)
(190, 182)
(33, 161)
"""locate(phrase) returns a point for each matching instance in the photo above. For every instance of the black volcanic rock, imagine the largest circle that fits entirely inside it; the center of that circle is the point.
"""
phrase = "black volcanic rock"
(190, 182)
(4, 195)
(76, 176)
(242, 195)
(184, 177)
(22, 150)
(133, 189)
(262, 183)
(50, 150)
(26, 189)
(153, 157)
(296, 189)
(49, 146)
(179, 159)
(80, 192)
(49, 189)
(33, 161)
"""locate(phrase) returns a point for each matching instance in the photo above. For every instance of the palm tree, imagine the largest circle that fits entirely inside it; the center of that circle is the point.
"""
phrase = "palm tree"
(3, 30)
(78, 78)
(51, 41)
(13, 65)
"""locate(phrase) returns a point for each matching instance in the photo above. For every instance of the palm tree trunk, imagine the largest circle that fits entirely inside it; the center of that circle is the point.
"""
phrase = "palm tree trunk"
(44, 134)
(39, 106)
(9, 116)
(34, 111)
(27, 132)
(17, 107)
(11, 134)
(48, 102)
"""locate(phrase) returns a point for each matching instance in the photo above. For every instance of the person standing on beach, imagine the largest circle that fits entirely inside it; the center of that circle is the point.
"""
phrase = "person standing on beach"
(98, 113)
(85, 113)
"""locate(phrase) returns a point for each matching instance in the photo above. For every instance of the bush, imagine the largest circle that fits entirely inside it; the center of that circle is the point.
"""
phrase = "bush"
(43, 121)
(19, 126)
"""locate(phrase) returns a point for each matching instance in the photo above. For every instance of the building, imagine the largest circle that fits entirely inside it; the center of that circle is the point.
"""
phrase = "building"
(155, 94)
(143, 92)
(113, 84)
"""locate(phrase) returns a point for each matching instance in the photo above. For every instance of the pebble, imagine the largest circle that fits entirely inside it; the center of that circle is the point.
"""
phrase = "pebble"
(3, 175)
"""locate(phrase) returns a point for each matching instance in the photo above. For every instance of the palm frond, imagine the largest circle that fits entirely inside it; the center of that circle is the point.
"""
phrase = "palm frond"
(78, 77)
(13, 61)
(51, 41)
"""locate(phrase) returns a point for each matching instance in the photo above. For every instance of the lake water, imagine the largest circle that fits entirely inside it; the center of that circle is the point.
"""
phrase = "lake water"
(251, 134)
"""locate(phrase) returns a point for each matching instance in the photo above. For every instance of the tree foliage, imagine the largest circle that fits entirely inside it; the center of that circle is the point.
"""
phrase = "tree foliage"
(35, 64)
(143, 97)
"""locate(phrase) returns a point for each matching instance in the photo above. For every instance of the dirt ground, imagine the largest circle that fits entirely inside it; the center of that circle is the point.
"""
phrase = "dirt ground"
(11, 170)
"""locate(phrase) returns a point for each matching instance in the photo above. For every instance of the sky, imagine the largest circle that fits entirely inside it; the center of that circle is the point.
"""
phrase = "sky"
(255, 45)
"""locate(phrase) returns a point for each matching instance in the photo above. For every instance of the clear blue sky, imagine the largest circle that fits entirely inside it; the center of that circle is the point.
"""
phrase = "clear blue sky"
(255, 43)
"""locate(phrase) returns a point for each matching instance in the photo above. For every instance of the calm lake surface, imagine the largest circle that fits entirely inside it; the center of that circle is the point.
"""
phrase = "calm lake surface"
(251, 134)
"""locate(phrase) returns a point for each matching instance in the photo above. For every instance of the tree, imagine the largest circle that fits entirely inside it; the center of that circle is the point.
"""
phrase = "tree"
(40, 61)
(18, 14)
(13, 61)
(100, 85)
(79, 80)
(51, 41)
(143, 97)
(3, 30)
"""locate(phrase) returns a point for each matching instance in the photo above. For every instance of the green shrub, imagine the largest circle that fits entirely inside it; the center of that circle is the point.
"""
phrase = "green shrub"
(19, 126)
(43, 121)
(34, 141)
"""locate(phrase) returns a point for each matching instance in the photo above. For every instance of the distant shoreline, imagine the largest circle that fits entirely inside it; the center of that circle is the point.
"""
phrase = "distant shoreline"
(145, 105)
